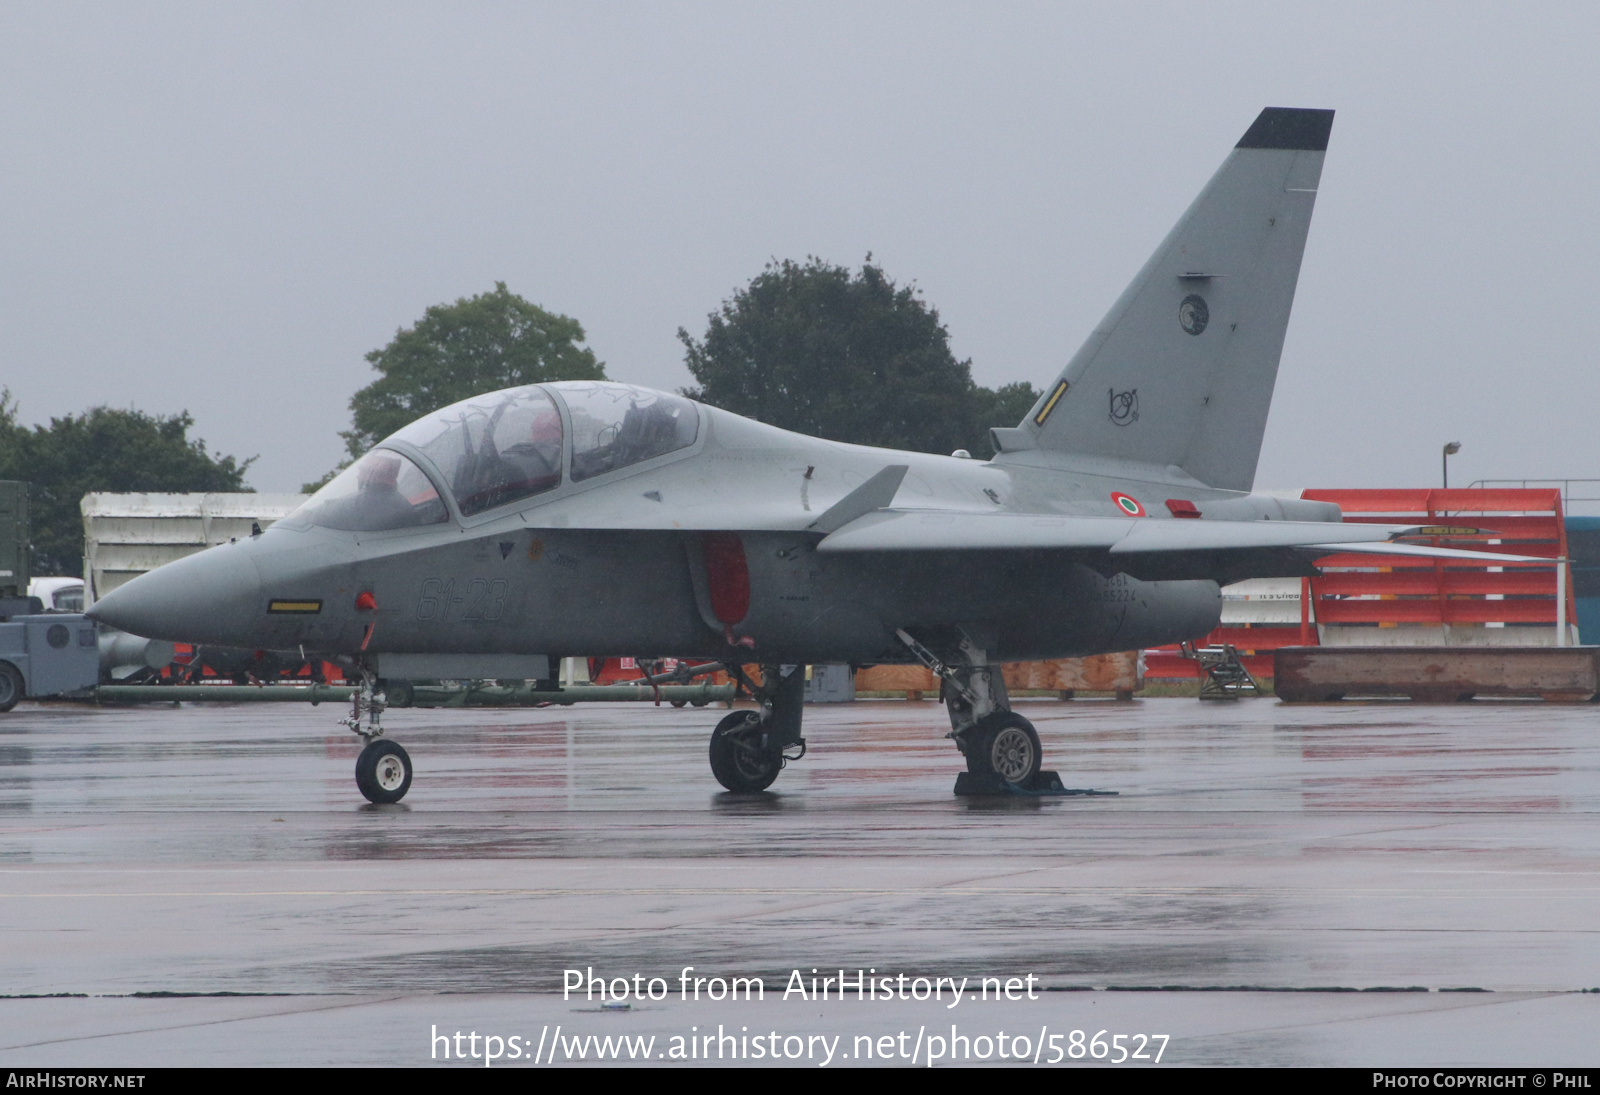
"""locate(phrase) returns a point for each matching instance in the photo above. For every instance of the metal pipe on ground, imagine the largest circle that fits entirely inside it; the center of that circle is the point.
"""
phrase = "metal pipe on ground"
(424, 695)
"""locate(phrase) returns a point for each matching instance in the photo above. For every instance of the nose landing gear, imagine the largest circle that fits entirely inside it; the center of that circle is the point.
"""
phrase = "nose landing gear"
(383, 770)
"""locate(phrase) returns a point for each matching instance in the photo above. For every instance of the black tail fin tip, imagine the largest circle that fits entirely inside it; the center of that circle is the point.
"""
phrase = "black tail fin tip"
(1289, 127)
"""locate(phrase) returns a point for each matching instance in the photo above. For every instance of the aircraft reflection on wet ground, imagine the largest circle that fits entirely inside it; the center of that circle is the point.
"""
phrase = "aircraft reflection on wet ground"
(1290, 848)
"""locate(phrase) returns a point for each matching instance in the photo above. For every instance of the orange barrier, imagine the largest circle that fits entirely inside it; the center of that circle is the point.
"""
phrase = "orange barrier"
(1390, 590)
(1386, 591)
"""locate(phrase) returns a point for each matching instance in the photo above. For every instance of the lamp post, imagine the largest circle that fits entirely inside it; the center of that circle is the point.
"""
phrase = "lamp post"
(1449, 450)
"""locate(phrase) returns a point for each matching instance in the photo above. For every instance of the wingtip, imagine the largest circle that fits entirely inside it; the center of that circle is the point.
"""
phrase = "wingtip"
(1289, 127)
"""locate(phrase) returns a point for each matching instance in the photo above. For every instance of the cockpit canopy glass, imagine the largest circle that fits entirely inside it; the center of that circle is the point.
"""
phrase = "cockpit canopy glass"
(615, 425)
(383, 490)
(493, 449)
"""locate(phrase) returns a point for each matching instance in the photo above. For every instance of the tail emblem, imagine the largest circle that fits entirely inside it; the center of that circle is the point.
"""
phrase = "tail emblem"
(1193, 315)
(1124, 405)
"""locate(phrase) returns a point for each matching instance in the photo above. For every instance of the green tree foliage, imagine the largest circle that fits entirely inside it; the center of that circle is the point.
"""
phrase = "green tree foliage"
(478, 344)
(1006, 405)
(812, 348)
(103, 449)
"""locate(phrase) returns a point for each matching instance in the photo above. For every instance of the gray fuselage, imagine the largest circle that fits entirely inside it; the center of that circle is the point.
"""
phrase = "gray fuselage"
(615, 565)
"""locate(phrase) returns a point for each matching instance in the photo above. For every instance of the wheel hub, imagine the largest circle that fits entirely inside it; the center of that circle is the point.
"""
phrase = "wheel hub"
(1011, 755)
(748, 756)
(390, 773)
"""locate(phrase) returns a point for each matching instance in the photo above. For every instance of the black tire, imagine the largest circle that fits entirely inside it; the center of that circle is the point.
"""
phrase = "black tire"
(740, 759)
(1005, 745)
(383, 772)
(398, 693)
(11, 686)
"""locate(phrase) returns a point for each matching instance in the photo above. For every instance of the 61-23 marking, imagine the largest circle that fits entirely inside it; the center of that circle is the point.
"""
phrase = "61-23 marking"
(471, 599)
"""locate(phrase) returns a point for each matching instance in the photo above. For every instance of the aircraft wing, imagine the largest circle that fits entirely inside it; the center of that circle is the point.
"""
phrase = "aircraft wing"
(912, 530)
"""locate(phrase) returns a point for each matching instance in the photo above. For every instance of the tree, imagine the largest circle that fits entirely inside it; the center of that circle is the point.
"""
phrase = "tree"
(1006, 405)
(478, 344)
(103, 449)
(812, 348)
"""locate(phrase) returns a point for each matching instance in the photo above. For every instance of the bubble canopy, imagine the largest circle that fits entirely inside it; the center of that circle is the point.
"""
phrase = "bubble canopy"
(500, 448)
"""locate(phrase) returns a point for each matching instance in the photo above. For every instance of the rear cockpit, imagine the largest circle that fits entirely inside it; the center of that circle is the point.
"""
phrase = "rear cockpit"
(497, 449)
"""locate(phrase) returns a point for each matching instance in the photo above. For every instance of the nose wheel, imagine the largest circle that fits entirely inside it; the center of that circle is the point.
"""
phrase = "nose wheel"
(383, 771)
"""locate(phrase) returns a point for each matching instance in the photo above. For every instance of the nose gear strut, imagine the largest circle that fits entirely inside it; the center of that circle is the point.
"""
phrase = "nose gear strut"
(383, 770)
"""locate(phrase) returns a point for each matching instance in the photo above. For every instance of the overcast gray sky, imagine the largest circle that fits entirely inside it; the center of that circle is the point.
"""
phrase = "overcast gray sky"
(222, 207)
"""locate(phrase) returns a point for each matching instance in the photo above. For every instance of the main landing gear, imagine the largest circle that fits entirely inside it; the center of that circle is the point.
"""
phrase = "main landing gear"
(750, 748)
(383, 770)
(1002, 748)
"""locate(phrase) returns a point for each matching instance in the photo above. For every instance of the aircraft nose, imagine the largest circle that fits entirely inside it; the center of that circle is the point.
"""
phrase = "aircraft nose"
(213, 596)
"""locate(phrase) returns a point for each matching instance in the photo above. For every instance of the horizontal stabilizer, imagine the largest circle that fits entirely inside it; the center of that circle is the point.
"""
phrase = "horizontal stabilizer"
(1222, 535)
(1425, 551)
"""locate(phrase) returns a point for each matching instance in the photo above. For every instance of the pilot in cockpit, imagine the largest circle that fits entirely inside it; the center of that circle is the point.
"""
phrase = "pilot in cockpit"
(378, 499)
(518, 454)
(542, 454)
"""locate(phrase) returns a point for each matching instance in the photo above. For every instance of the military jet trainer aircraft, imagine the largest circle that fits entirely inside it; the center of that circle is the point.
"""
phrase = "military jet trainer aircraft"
(600, 518)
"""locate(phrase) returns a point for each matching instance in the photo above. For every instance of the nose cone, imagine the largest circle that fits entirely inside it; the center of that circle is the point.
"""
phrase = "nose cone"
(211, 597)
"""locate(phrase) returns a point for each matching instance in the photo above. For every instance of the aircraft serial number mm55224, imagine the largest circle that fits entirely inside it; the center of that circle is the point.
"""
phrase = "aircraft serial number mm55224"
(608, 519)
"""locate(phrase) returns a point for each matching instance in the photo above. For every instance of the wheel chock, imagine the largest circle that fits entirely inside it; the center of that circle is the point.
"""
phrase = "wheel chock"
(1043, 784)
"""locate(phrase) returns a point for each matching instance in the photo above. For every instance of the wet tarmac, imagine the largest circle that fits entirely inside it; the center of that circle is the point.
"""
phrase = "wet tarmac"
(1263, 881)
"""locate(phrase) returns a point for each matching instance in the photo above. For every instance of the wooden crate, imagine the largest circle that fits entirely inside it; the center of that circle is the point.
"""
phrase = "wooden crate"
(1436, 674)
(1117, 673)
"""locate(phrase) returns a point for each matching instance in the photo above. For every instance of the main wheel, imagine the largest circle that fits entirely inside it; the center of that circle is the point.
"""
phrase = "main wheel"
(1006, 745)
(11, 686)
(383, 772)
(740, 760)
(398, 693)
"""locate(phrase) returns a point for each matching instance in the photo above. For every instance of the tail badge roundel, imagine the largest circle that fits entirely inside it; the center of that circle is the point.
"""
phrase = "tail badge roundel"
(1127, 504)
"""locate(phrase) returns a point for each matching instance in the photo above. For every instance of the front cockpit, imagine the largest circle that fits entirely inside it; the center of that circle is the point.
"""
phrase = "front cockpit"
(381, 491)
(497, 449)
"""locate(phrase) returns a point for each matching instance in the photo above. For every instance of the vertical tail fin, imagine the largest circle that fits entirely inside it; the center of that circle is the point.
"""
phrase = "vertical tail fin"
(1181, 369)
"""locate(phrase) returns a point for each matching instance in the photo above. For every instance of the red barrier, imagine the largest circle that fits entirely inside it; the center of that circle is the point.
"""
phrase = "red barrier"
(1394, 590)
